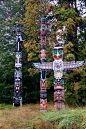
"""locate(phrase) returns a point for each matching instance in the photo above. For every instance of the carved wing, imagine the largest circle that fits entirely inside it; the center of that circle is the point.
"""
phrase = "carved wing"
(73, 64)
(44, 65)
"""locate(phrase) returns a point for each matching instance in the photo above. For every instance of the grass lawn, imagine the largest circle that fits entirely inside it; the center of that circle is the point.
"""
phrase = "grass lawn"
(30, 117)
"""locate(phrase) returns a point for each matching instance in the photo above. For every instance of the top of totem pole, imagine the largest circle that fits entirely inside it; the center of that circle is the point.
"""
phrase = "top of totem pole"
(58, 52)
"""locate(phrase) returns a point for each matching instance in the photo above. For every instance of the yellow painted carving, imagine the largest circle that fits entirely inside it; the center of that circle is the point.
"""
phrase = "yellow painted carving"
(57, 54)
(60, 74)
(55, 74)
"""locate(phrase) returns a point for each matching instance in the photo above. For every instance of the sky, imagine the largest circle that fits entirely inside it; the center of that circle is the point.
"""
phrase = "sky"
(83, 10)
(77, 4)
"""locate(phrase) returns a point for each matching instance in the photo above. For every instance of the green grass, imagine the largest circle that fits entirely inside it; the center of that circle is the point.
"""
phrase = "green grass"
(30, 117)
(68, 118)
(6, 106)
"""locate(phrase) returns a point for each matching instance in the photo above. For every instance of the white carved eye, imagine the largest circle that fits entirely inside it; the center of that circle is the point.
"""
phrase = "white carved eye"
(17, 87)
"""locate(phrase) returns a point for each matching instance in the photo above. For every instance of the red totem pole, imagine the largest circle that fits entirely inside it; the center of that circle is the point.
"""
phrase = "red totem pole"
(43, 82)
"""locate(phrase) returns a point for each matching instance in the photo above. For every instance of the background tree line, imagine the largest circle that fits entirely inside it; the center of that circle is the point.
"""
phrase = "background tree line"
(64, 21)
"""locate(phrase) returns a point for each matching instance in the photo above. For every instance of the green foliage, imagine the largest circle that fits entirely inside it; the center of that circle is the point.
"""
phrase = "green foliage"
(6, 106)
(50, 80)
(67, 119)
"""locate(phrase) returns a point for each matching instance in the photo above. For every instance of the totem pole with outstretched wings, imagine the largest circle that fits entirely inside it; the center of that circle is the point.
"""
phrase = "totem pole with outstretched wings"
(58, 66)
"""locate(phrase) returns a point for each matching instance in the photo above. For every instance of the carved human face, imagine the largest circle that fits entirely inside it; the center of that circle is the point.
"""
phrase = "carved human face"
(58, 91)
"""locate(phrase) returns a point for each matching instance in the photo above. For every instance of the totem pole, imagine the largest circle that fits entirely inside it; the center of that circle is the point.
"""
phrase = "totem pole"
(43, 82)
(17, 99)
(58, 77)
(58, 66)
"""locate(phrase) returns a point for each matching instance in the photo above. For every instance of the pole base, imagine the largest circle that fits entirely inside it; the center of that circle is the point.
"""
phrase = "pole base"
(43, 110)
(17, 101)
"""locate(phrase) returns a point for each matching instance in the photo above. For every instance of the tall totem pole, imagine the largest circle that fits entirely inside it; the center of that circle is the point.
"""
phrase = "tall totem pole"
(43, 82)
(17, 99)
(58, 66)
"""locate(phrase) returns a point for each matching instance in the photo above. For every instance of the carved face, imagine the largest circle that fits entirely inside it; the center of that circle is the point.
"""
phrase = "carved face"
(58, 69)
(43, 39)
(58, 91)
(43, 85)
(18, 60)
(43, 20)
(18, 74)
(18, 55)
(58, 66)
(58, 84)
(57, 53)
(43, 28)
(18, 82)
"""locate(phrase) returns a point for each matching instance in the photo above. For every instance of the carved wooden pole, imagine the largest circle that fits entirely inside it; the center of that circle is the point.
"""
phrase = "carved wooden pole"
(43, 82)
(58, 77)
(17, 99)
